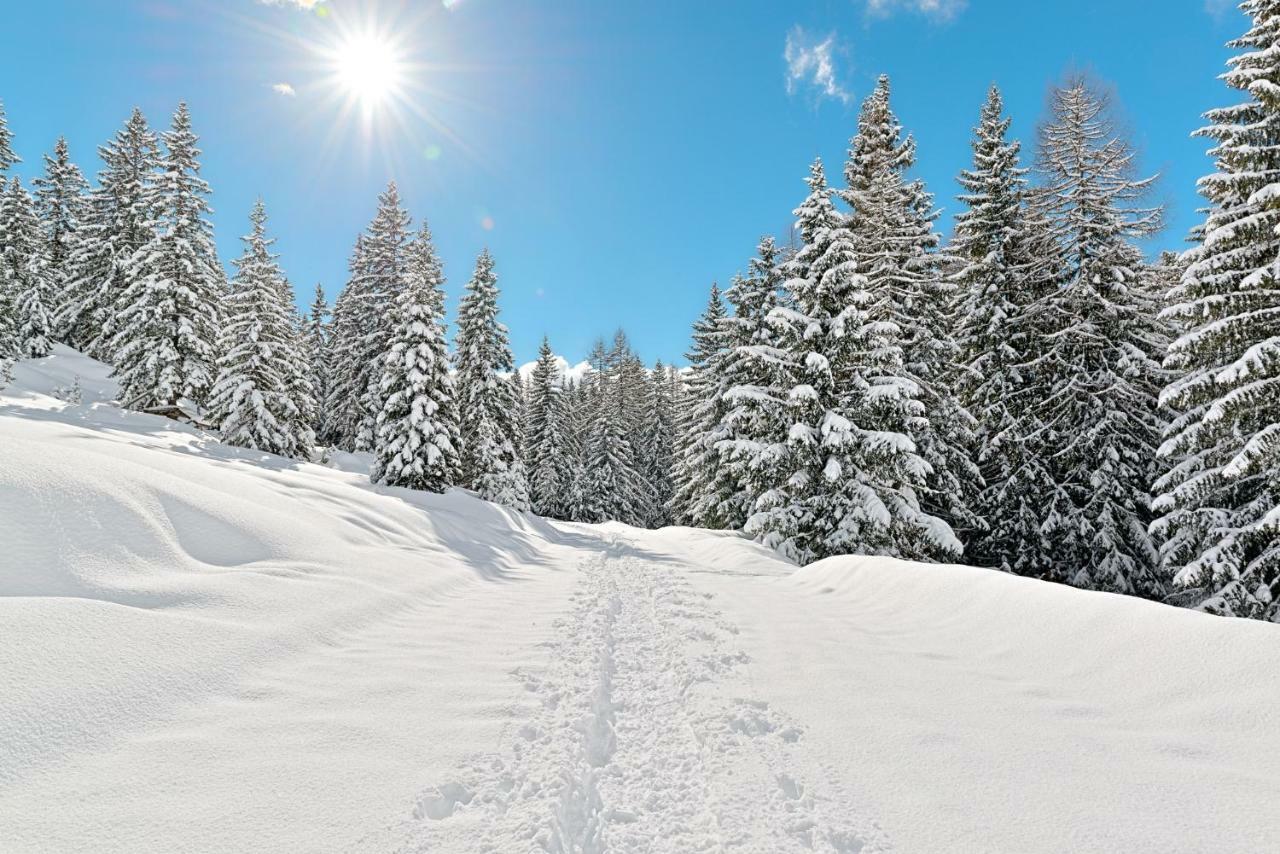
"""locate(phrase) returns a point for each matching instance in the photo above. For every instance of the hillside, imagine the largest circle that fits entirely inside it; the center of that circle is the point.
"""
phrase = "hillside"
(205, 649)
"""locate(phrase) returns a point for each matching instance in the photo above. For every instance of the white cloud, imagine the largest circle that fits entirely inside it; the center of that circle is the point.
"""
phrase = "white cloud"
(301, 4)
(1219, 8)
(283, 89)
(811, 63)
(942, 10)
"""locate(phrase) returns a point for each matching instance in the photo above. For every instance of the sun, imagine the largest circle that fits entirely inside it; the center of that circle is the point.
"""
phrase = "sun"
(368, 67)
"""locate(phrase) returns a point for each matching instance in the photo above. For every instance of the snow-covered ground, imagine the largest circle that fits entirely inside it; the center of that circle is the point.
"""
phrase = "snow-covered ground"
(210, 650)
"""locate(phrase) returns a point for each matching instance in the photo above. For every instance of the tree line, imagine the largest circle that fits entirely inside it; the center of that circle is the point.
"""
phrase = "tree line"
(1033, 394)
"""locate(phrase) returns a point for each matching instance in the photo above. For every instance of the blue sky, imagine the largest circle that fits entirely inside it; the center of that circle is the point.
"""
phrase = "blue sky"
(616, 157)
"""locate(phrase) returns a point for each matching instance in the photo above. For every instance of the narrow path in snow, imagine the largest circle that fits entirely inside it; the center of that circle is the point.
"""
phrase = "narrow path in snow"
(642, 741)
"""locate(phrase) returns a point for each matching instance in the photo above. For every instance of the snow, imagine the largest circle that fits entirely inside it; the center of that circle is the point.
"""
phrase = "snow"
(209, 649)
(567, 373)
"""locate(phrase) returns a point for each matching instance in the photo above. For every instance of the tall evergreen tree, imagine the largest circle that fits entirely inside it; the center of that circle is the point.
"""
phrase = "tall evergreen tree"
(704, 485)
(315, 345)
(549, 456)
(997, 276)
(486, 398)
(1220, 540)
(257, 402)
(1096, 381)
(25, 295)
(165, 344)
(120, 219)
(417, 436)
(61, 195)
(341, 410)
(656, 444)
(851, 480)
(891, 230)
(7, 156)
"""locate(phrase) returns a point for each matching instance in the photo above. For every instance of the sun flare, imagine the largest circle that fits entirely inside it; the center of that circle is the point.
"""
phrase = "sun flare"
(368, 68)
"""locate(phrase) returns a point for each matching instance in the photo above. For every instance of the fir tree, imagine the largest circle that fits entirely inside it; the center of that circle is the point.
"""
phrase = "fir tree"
(891, 230)
(61, 196)
(7, 157)
(25, 295)
(657, 450)
(257, 402)
(704, 485)
(119, 220)
(342, 412)
(315, 346)
(852, 475)
(549, 455)
(1096, 382)
(417, 436)
(1218, 501)
(997, 276)
(165, 345)
(491, 464)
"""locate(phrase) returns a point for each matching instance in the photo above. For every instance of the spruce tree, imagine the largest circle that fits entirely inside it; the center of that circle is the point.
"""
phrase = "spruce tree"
(61, 197)
(549, 455)
(315, 345)
(852, 476)
(704, 485)
(7, 156)
(491, 464)
(1096, 382)
(997, 276)
(656, 445)
(417, 435)
(891, 229)
(119, 220)
(165, 343)
(257, 401)
(341, 409)
(757, 379)
(25, 294)
(1220, 541)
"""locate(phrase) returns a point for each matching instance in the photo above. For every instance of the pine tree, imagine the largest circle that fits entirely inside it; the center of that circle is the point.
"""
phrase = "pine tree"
(7, 157)
(24, 283)
(491, 464)
(417, 435)
(254, 401)
(997, 276)
(549, 455)
(119, 220)
(704, 485)
(315, 335)
(166, 342)
(1096, 382)
(342, 413)
(613, 490)
(656, 445)
(1218, 501)
(61, 198)
(384, 274)
(891, 229)
(757, 379)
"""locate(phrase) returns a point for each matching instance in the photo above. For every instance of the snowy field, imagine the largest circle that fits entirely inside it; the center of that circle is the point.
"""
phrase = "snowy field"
(209, 650)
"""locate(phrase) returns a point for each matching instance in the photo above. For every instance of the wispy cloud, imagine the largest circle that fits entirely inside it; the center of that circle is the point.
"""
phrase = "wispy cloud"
(284, 89)
(301, 4)
(1219, 8)
(811, 64)
(941, 10)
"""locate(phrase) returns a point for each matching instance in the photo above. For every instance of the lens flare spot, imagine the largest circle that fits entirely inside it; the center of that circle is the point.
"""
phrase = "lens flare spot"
(486, 222)
(432, 152)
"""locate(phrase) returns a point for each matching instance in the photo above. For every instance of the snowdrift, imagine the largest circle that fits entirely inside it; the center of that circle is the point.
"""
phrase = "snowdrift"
(208, 649)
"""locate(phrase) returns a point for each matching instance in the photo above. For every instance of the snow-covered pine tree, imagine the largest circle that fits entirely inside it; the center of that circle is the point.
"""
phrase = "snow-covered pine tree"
(61, 195)
(1095, 381)
(549, 451)
(851, 480)
(119, 221)
(491, 464)
(166, 340)
(7, 155)
(417, 437)
(996, 277)
(341, 408)
(385, 270)
(1219, 532)
(891, 227)
(574, 404)
(613, 487)
(315, 336)
(256, 401)
(757, 379)
(704, 485)
(657, 445)
(24, 276)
